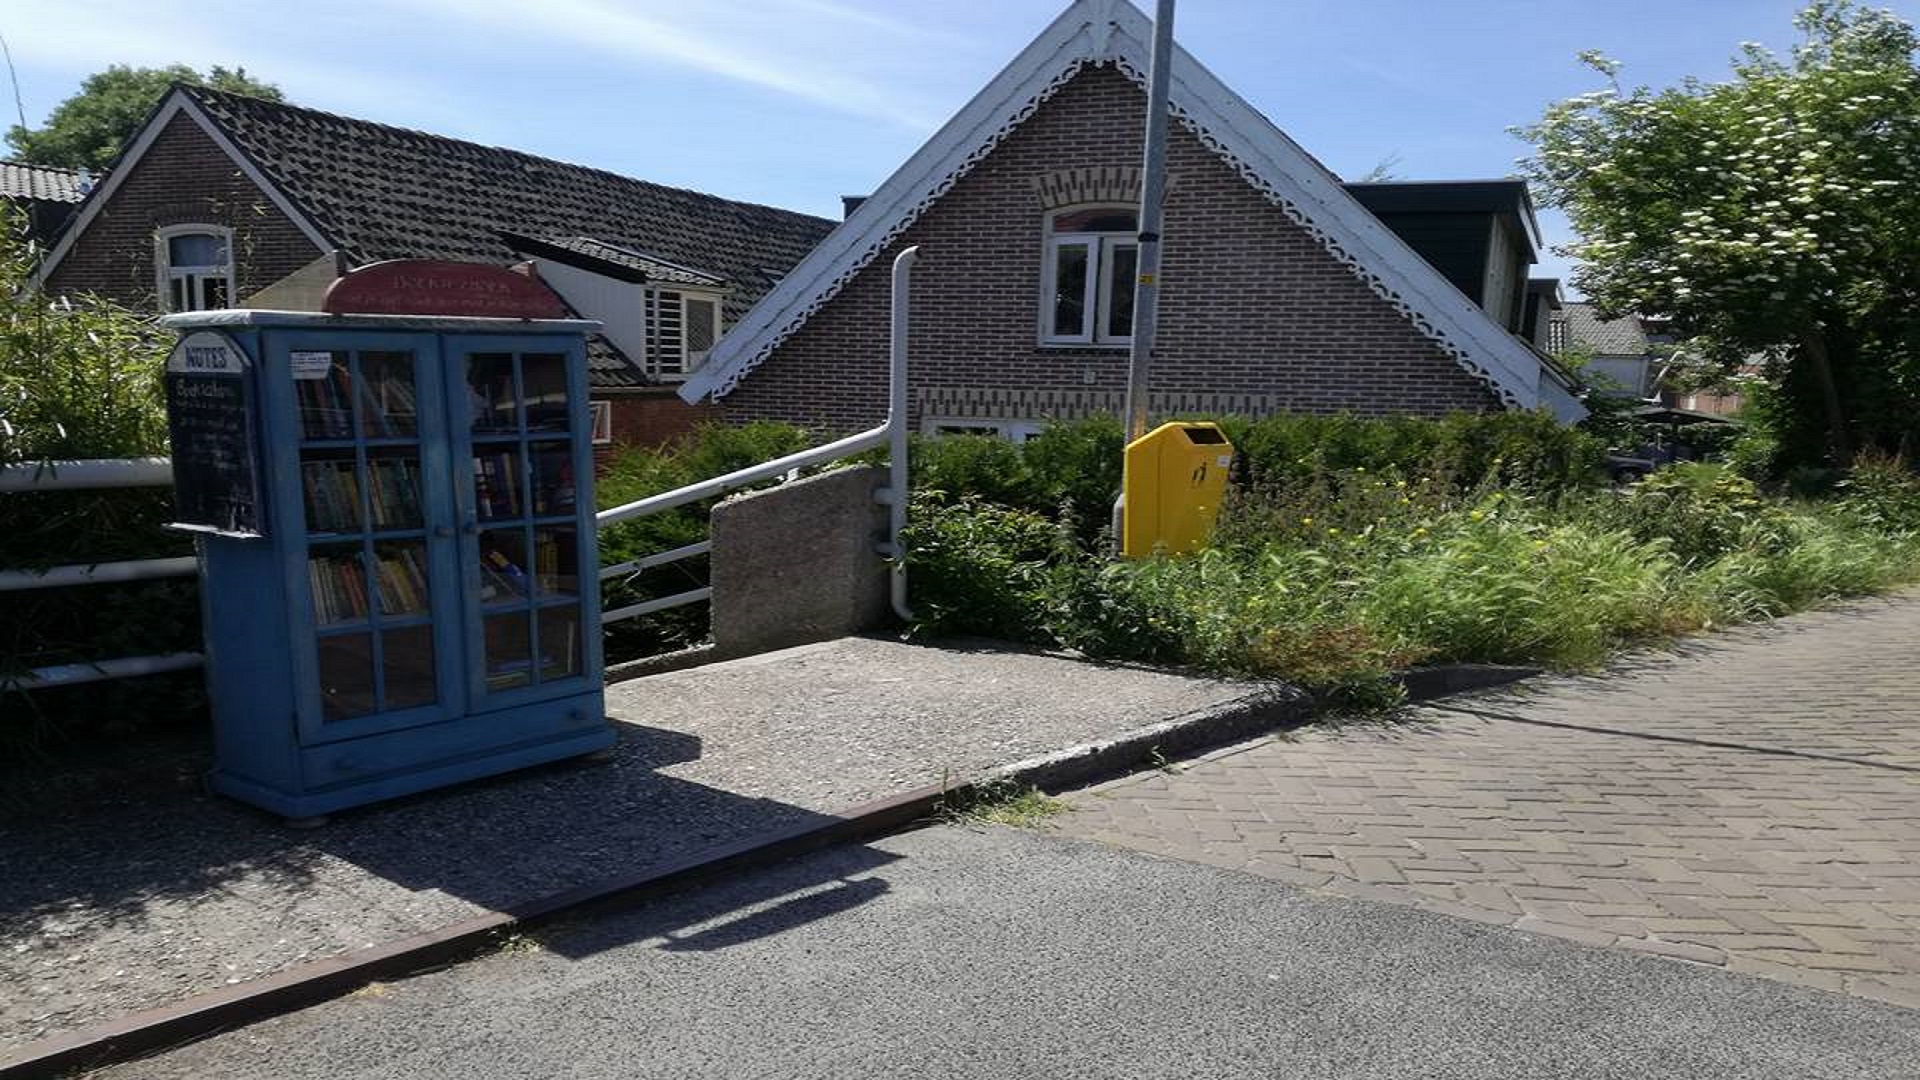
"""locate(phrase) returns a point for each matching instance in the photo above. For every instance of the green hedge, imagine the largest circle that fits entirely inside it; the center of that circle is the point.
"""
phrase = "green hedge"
(1076, 465)
(81, 379)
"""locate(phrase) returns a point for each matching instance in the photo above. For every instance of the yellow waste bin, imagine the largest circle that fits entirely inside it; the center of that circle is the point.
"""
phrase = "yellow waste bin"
(1172, 481)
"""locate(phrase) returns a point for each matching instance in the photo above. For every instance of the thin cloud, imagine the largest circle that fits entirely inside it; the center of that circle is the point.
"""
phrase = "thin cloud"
(835, 11)
(677, 36)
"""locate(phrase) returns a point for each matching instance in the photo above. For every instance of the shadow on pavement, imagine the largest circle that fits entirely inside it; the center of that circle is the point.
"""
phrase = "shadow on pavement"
(751, 908)
(126, 901)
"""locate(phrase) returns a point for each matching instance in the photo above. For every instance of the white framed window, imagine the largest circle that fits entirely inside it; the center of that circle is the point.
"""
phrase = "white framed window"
(193, 267)
(601, 415)
(681, 329)
(1086, 288)
(1017, 431)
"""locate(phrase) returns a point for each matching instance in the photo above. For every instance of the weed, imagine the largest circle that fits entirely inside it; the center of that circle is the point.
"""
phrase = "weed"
(999, 802)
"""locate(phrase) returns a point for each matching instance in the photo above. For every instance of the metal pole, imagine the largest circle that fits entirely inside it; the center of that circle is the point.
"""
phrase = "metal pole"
(1146, 287)
(1153, 187)
(897, 429)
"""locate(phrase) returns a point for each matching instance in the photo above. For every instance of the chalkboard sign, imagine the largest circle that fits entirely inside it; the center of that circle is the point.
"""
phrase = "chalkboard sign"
(216, 466)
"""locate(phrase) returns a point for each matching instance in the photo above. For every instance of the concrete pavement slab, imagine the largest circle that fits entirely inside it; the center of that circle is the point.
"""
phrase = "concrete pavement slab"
(146, 895)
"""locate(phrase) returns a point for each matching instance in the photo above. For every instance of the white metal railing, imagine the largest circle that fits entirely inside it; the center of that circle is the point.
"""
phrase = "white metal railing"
(157, 472)
(892, 434)
(86, 476)
(82, 475)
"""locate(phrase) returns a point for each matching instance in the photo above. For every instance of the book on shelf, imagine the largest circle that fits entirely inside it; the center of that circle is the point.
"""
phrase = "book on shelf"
(500, 576)
(546, 563)
(403, 582)
(339, 588)
(326, 405)
(339, 584)
(395, 492)
(333, 494)
(496, 484)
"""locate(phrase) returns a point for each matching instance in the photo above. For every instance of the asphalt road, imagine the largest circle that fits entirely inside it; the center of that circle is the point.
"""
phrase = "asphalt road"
(991, 952)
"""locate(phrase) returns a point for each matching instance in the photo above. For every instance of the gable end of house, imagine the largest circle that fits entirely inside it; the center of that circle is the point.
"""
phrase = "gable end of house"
(1097, 33)
(179, 171)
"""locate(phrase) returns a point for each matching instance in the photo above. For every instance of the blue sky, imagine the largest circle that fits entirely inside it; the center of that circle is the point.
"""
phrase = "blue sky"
(795, 102)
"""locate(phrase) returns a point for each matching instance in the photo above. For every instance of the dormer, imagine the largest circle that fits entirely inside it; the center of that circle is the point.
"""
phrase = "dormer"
(1480, 234)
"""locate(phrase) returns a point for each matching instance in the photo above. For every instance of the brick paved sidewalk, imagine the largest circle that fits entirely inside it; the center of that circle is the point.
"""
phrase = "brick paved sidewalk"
(1750, 801)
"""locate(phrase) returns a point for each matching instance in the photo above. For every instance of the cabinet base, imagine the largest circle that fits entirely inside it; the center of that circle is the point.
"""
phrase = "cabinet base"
(320, 802)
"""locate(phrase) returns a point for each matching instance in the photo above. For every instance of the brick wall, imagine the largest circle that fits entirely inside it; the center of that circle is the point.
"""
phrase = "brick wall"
(1250, 304)
(654, 417)
(650, 418)
(183, 178)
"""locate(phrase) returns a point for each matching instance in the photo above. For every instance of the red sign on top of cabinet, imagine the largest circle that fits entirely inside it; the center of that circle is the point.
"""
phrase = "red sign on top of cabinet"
(432, 287)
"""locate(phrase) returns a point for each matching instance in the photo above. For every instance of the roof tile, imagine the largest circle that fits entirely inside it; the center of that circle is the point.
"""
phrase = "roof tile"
(19, 180)
(380, 192)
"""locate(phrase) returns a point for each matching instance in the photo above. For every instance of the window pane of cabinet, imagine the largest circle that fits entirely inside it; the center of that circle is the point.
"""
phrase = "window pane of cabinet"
(401, 573)
(393, 488)
(497, 484)
(559, 643)
(408, 669)
(545, 377)
(388, 406)
(503, 566)
(552, 485)
(331, 487)
(346, 676)
(491, 398)
(339, 584)
(324, 393)
(556, 562)
(508, 651)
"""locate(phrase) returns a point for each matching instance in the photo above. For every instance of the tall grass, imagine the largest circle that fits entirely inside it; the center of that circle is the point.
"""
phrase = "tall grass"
(1340, 577)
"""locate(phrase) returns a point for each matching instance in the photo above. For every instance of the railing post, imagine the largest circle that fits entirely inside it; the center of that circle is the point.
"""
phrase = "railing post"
(897, 429)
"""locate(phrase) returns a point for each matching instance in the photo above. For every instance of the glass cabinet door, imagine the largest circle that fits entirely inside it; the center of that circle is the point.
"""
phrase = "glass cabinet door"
(369, 555)
(528, 541)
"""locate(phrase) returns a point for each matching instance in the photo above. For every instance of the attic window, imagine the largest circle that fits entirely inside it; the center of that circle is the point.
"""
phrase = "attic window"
(681, 329)
(194, 267)
(1086, 291)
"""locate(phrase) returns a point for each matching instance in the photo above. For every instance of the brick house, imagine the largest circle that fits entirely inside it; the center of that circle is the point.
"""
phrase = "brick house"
(1279, 290)
(222, 200)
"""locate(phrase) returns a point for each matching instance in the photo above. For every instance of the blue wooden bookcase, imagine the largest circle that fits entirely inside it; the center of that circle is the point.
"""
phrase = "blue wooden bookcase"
(400, 590)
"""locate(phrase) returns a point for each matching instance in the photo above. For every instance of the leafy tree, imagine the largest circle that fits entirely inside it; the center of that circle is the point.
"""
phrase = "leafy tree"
(1775, 213)
(87, 130)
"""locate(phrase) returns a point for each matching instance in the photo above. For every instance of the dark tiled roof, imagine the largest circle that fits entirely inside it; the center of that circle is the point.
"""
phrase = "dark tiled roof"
(380, 192)
(1584, 327)
(608, 367)
(611, 259)
(18, 180)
